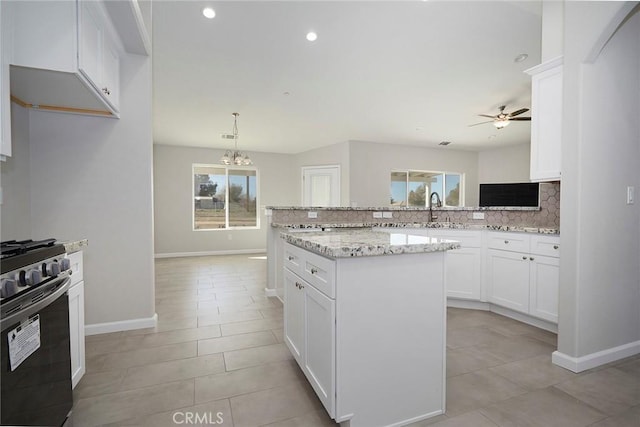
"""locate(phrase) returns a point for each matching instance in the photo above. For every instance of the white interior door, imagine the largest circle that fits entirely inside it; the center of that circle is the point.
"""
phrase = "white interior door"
(321, 186)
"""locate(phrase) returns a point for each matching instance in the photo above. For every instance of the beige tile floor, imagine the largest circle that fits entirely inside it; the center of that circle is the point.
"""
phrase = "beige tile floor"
(217, 356)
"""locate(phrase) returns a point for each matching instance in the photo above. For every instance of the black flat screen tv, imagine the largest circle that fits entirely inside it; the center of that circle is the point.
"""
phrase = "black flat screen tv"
(520, 194)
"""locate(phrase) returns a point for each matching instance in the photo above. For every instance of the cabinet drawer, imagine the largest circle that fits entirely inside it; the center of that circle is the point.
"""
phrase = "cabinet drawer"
(545, 245)
(515, 242)
(292, 259)
(467, 239)
(320, 272)
(76, 267)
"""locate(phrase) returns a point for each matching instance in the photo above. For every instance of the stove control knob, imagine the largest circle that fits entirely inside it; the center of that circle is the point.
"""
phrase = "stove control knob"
(21, 277)
(34, 277)
(8, 287)
(65, 264)
(51, 269)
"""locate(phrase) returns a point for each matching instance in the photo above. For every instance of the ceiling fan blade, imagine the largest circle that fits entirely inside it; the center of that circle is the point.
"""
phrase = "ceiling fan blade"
(481, 123)
(486, 115)
(520, 111)
(512, 119)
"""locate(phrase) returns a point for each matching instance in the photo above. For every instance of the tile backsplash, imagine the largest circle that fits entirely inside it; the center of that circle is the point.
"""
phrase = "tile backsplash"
(546, 216)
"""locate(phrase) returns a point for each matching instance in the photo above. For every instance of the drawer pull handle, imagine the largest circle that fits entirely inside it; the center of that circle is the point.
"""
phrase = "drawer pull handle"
(314, 271)
(290, 258)
(531, 259)
(506, 242)
(555, 246)
(524, 257)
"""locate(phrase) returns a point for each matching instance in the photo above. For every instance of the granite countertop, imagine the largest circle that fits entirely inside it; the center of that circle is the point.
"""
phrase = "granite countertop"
(346, 243)
(72, 246)
(434, 225)
(406, 208)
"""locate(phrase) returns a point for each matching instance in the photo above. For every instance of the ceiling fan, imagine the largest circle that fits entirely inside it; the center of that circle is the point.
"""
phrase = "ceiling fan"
(502, 119)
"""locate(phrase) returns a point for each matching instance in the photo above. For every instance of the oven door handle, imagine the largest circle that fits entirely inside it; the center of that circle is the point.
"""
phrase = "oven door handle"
(34, 308)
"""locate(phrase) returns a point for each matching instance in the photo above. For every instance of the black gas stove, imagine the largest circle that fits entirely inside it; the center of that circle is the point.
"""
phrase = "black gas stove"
(35, 358)
(28, 263)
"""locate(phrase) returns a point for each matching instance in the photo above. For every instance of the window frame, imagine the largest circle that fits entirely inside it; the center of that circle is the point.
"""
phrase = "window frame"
(226, 196)
(444, 187)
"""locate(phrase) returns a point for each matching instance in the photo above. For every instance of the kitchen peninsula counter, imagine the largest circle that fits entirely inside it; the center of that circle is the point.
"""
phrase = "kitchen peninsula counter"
(425, 225)
(343, 242)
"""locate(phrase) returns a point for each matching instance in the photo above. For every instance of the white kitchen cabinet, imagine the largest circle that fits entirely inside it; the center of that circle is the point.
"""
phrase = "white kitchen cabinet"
(544, 282)
(508, 276)
(65, 57)
(523, 273)
(346, 325)
(464, 265)
(5, 104)
(76, 318)
(546, 120)
(309, 331)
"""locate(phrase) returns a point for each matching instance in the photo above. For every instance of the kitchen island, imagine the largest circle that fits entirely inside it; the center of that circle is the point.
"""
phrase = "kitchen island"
(365, 319)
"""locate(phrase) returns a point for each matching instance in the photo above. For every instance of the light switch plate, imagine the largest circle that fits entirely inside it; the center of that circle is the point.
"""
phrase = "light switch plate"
(377, 214)
(478, 215)
(387, 214)
(312, 215)
(631, 195)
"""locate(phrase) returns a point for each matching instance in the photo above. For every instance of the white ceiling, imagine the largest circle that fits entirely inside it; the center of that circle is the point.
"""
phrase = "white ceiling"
(405, 72)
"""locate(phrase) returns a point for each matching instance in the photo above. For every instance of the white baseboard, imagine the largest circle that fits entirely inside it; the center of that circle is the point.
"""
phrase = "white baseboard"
(468, 304)
(479, 305)
(593, 360)
(270, 292)
(123, 325)
(208, 253)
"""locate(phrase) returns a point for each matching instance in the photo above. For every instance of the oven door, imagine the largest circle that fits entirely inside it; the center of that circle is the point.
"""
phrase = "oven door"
(37, 391)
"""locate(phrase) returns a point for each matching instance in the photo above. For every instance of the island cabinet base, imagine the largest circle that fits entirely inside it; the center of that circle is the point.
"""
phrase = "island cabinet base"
(390, 338)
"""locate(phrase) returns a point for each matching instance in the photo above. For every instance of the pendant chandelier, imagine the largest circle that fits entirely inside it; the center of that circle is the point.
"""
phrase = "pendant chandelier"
(235, 157)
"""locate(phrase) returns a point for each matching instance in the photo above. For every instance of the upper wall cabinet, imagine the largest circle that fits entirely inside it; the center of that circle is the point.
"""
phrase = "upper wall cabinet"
(546, 120)
(5, 107)
(66, 54)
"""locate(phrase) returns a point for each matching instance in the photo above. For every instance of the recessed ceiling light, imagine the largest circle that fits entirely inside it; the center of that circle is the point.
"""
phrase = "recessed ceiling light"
(311, 36)
(208, 12)
(520, 57)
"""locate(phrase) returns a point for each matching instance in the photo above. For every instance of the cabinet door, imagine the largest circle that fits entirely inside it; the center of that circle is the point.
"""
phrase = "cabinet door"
(463, 273)
(5, 104)
(294, 315)
(546, 123)
(111, 73)
(508, 274)
(76, 328)
(320, 338)
(544, 287)
(90, 43)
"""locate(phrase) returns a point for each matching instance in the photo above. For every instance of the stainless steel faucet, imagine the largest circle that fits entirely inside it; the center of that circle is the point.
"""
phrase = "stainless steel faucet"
(438, 204)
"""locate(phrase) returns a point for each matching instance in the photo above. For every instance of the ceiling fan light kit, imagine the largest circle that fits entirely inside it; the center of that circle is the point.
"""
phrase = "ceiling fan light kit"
(502, 119)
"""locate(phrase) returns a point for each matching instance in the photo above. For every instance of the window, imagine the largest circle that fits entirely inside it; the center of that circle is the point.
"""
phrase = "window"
(213, 186)
(412, 188)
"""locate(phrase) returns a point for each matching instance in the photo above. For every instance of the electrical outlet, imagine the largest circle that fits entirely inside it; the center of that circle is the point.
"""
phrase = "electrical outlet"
(312, 215)
(377, 214)
(631, 195)
(387, 214)
(478, 215)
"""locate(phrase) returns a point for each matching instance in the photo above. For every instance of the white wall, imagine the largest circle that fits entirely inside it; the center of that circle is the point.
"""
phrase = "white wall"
(16, 181)
(91, 177)
(278, 186)
(336, 154)
(600, 273)
(371, 165)
(507, 164)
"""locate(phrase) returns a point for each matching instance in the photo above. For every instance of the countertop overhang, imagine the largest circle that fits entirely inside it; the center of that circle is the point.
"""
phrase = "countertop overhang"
(348, 243)
(427, 225)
